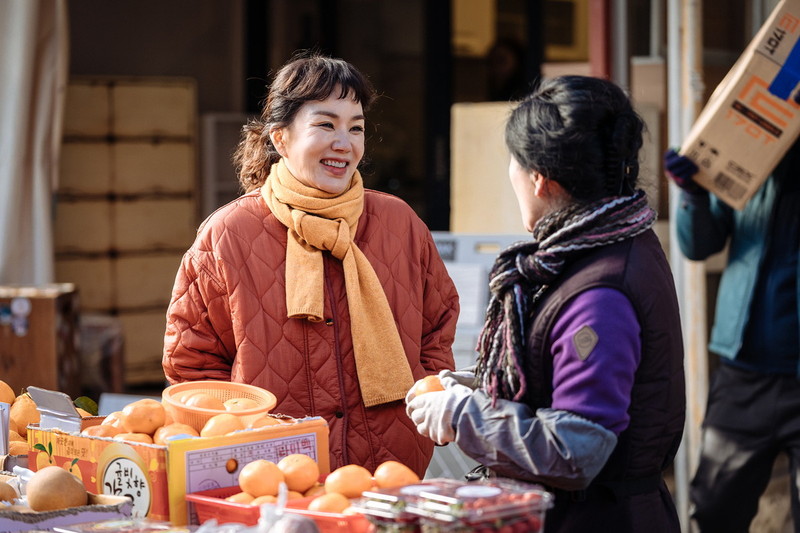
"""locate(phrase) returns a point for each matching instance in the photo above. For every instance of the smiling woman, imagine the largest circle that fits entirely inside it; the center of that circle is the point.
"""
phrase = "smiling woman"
(331, 296)
(324, 144)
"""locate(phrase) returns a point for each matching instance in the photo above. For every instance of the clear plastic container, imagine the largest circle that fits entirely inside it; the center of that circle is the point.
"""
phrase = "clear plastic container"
(386, 508)
(482, 506)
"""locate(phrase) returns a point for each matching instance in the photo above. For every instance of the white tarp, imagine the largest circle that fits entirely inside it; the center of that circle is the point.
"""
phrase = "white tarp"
(33, 81)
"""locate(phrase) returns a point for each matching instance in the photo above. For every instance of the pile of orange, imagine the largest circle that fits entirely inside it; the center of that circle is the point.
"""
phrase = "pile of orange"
(260, 480)
(147, 420)
(23, 412)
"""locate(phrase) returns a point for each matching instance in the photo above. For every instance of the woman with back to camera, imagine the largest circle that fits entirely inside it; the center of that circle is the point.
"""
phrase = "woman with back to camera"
(330, 296)
(579, 382)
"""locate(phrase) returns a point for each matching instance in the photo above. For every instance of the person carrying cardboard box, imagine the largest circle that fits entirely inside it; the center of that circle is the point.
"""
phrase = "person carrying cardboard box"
(753, 410)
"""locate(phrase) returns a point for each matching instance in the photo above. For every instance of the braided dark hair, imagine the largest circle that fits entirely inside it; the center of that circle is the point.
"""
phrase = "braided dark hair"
(581, 132)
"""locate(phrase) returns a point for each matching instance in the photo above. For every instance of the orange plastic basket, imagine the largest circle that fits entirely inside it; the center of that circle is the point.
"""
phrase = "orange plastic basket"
(210, 504)
(224, 390)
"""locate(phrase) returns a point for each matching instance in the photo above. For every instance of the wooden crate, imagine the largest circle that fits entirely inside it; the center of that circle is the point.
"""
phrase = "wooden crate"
(38, 330)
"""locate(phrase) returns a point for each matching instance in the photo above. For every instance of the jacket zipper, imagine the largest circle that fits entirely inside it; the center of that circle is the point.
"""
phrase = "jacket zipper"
(338, 354)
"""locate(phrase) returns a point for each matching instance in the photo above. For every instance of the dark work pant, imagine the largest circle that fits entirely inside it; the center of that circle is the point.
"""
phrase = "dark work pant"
(750, 419)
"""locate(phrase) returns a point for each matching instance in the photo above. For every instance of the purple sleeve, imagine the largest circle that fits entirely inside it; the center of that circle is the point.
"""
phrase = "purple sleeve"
(596, 349)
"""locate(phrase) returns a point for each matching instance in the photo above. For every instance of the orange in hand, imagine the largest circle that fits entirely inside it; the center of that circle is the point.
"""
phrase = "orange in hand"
(430, 383)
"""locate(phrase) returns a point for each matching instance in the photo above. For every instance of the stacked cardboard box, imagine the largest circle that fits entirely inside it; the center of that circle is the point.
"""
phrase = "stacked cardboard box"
(127, 206)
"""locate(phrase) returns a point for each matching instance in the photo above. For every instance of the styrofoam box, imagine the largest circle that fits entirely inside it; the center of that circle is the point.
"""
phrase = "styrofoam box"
(145, 167)
(145, 280)
(85, 168)
(154, 224)
(86, 109)
(154, 107)
(82, 226)
(92, 276)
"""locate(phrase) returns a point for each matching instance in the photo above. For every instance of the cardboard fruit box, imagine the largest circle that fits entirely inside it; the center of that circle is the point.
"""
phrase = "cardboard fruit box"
(157, 477)
(753, 116)
(100, 507)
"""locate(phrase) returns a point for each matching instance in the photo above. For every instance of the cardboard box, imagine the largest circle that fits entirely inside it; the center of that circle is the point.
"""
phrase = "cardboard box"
(38, 330)
(155, 477)
(752, 118)
(101, 507)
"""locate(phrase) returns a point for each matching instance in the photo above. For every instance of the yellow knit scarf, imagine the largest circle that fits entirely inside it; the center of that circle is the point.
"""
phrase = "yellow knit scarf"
(317, 221)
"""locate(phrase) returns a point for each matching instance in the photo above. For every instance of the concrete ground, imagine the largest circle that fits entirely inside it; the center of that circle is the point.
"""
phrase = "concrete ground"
(774, 512)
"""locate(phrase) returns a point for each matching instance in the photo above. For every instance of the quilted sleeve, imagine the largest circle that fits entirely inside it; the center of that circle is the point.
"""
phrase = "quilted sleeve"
(195, 346)
(440, 312)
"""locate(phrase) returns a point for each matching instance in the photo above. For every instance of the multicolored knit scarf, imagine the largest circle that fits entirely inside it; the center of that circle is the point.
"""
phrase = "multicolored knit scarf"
(524, 271)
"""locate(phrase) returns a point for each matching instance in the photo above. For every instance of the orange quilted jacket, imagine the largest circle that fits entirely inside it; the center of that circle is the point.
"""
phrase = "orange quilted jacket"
(227, 321)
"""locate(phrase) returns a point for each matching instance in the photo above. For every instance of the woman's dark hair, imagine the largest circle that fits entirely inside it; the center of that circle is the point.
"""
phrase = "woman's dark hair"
(580, 132)
(306, 77)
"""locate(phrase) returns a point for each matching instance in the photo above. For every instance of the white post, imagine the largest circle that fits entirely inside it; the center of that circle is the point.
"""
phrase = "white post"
(685, 93)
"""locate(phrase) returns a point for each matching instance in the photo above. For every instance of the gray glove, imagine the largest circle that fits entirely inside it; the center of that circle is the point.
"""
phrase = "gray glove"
(432, 412)
(465, 376)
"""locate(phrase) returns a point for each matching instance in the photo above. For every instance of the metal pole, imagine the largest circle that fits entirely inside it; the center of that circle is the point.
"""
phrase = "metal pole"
(685, 89)
(620, 53)
(656, 28)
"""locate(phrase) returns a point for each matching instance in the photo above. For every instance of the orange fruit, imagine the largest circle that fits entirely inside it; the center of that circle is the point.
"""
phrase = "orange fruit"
(6, 393)
(294, 495)
(315, 490)
(102, 431)
(83, 412)
(170, 430)
(143, 416)
(332, 502)
(134, 437)
(113, 419)
(264, 499)
(240, 404)
(167, 415)
(18, 447)
(264, 421)
(12, 425)
(300, 471)
(204, 400)
(391, 474)
(260, 478)
(240, 497)
(221, 424)
(427, 384)
(13, 435)
(23, 412)
(349, 480)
